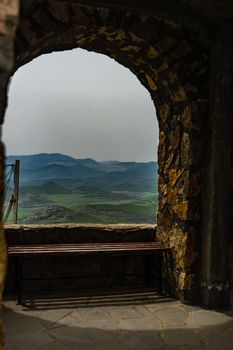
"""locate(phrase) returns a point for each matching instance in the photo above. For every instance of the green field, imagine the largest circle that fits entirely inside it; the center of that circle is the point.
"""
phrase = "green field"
(74, 208)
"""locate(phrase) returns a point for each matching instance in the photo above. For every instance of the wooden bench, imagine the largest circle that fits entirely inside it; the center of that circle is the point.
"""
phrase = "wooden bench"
(134, 248)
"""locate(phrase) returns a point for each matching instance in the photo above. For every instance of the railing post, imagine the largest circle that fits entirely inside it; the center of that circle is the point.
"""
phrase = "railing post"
(16, 190)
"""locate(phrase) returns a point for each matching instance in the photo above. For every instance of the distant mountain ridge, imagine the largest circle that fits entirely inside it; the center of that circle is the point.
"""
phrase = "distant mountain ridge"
(39, 168)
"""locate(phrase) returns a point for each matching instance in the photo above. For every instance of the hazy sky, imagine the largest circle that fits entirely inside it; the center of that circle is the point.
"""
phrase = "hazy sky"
(81, 104)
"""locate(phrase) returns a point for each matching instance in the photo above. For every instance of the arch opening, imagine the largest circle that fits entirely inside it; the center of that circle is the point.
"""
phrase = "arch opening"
(170, 60)
(84, 130)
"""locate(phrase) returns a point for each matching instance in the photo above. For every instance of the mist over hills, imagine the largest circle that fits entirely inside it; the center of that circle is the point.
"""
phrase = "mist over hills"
(39, 168)
(58, 188)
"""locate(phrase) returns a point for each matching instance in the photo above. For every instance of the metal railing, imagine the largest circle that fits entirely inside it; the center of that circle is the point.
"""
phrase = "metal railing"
(11, 201)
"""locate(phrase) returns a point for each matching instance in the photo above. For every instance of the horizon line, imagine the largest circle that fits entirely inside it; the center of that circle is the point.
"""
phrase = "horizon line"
(66, 155)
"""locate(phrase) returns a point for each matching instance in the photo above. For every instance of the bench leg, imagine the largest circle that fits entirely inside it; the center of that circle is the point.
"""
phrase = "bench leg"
(18, 277)
(149, 270)
(160, 273)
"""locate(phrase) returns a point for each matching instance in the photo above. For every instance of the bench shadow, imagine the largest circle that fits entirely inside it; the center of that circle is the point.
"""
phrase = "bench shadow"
(93, 299)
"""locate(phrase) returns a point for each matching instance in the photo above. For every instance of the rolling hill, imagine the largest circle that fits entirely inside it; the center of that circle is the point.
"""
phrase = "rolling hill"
(39, 168)
(59, 188)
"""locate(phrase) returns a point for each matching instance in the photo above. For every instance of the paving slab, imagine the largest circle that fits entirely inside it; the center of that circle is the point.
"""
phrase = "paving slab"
(122, 312)
(164, 324)
(93, 313)
(183, 337)
(29, 341)
(172, 316)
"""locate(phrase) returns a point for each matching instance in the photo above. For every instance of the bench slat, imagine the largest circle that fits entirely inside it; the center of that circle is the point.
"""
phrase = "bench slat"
(84, 248)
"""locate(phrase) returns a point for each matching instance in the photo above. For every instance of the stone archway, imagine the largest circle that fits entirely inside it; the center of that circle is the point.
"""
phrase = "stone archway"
(170, 60)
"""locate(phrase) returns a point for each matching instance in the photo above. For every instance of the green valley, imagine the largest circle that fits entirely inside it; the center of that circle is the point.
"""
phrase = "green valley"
(55, 188)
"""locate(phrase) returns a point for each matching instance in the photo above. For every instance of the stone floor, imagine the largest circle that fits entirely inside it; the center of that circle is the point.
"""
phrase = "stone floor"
(124, 322)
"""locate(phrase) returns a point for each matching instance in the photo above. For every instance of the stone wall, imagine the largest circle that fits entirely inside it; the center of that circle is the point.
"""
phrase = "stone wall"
(52, 274)
(230, 264)
(8, 20)
(9, 10)
(78, 233)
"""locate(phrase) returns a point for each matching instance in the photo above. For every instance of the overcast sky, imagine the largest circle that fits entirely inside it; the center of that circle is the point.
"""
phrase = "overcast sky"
(81, 104)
